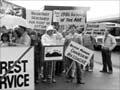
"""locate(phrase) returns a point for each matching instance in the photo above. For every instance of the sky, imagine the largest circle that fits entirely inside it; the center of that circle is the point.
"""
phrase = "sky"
(99, 9)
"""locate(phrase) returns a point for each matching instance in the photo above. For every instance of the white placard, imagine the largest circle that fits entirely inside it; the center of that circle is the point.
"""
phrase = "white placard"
(21, 76)
(78, 53)
(53, 53)
(39, 19)
(69, 17)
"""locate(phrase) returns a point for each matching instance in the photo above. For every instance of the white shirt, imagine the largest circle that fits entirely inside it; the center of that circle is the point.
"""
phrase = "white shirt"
(110, 42)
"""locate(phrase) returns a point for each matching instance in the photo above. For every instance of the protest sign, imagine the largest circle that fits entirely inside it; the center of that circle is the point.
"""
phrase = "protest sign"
(95, 28)
(78, 53)
(69, 17)
(11, 9)
(53, 52)
(21, 76)
(39, 19)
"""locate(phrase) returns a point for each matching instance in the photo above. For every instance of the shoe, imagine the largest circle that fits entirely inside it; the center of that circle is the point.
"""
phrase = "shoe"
(103, 71)
(36, 81)
(53, 80)
(110, 72)
(80, 82)
(44, 80)
(90, 70)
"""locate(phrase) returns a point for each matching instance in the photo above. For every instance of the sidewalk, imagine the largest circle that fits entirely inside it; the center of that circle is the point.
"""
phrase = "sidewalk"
(93, 81)
(115, 57)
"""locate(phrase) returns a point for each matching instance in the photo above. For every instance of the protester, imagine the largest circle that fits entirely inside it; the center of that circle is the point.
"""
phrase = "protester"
(5, 40)
(109, 44)
(24, 39)
(39, 51)
(15, 36)
(76, 67)
(3, 29)
(49, 39)
(88, 41)
(33, 36)
(60, 41)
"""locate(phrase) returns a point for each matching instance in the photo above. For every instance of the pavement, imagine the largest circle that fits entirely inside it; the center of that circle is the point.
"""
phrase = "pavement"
(115, 57)
(93, 80)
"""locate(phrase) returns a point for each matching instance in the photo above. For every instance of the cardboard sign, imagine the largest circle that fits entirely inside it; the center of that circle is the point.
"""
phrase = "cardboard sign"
(53, 52)
(78, 53)
(21, 76)
(39, 19)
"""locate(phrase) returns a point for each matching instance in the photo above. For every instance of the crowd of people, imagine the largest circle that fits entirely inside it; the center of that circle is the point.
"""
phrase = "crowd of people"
(42, 69)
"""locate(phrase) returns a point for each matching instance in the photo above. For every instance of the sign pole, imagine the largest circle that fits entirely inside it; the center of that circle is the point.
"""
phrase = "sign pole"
(52, 71)
(69, 68)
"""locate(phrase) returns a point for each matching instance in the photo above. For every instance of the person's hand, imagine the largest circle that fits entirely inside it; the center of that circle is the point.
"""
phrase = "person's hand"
(106, 48)
(110, 49)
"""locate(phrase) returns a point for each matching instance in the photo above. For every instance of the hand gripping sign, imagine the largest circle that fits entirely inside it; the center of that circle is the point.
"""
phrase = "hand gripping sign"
(16, 68)
(78, 53)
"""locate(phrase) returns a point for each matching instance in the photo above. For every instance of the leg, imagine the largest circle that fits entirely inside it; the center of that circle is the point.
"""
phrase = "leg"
(57, 68)
(104, 60)
(92, 63)
(69, 65)
(79, 73)
(36, 69)
(45, 72)
(73, 69)
(109, 62)
(53, 71)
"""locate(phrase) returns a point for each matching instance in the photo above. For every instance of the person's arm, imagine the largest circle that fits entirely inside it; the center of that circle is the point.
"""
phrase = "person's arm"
(44, 41)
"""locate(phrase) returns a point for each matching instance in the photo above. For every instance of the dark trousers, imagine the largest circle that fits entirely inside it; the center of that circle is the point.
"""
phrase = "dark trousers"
(59, 67)
(106, 59)
(36, 66)
(68, 66)
(47, 67)
(78, 72)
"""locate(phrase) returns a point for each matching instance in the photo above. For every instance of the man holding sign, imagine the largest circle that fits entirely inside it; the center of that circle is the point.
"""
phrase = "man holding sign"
(76, 38)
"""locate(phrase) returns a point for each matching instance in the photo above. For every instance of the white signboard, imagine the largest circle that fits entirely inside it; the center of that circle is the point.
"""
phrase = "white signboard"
(96, 26)
(21, 76)
(78, 53)
(56, 16)
(69, 17)
(53, 53)
(39, 19)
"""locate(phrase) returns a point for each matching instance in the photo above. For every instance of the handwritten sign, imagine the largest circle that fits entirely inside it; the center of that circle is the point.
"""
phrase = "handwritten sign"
(78, 53)
(39, 19)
